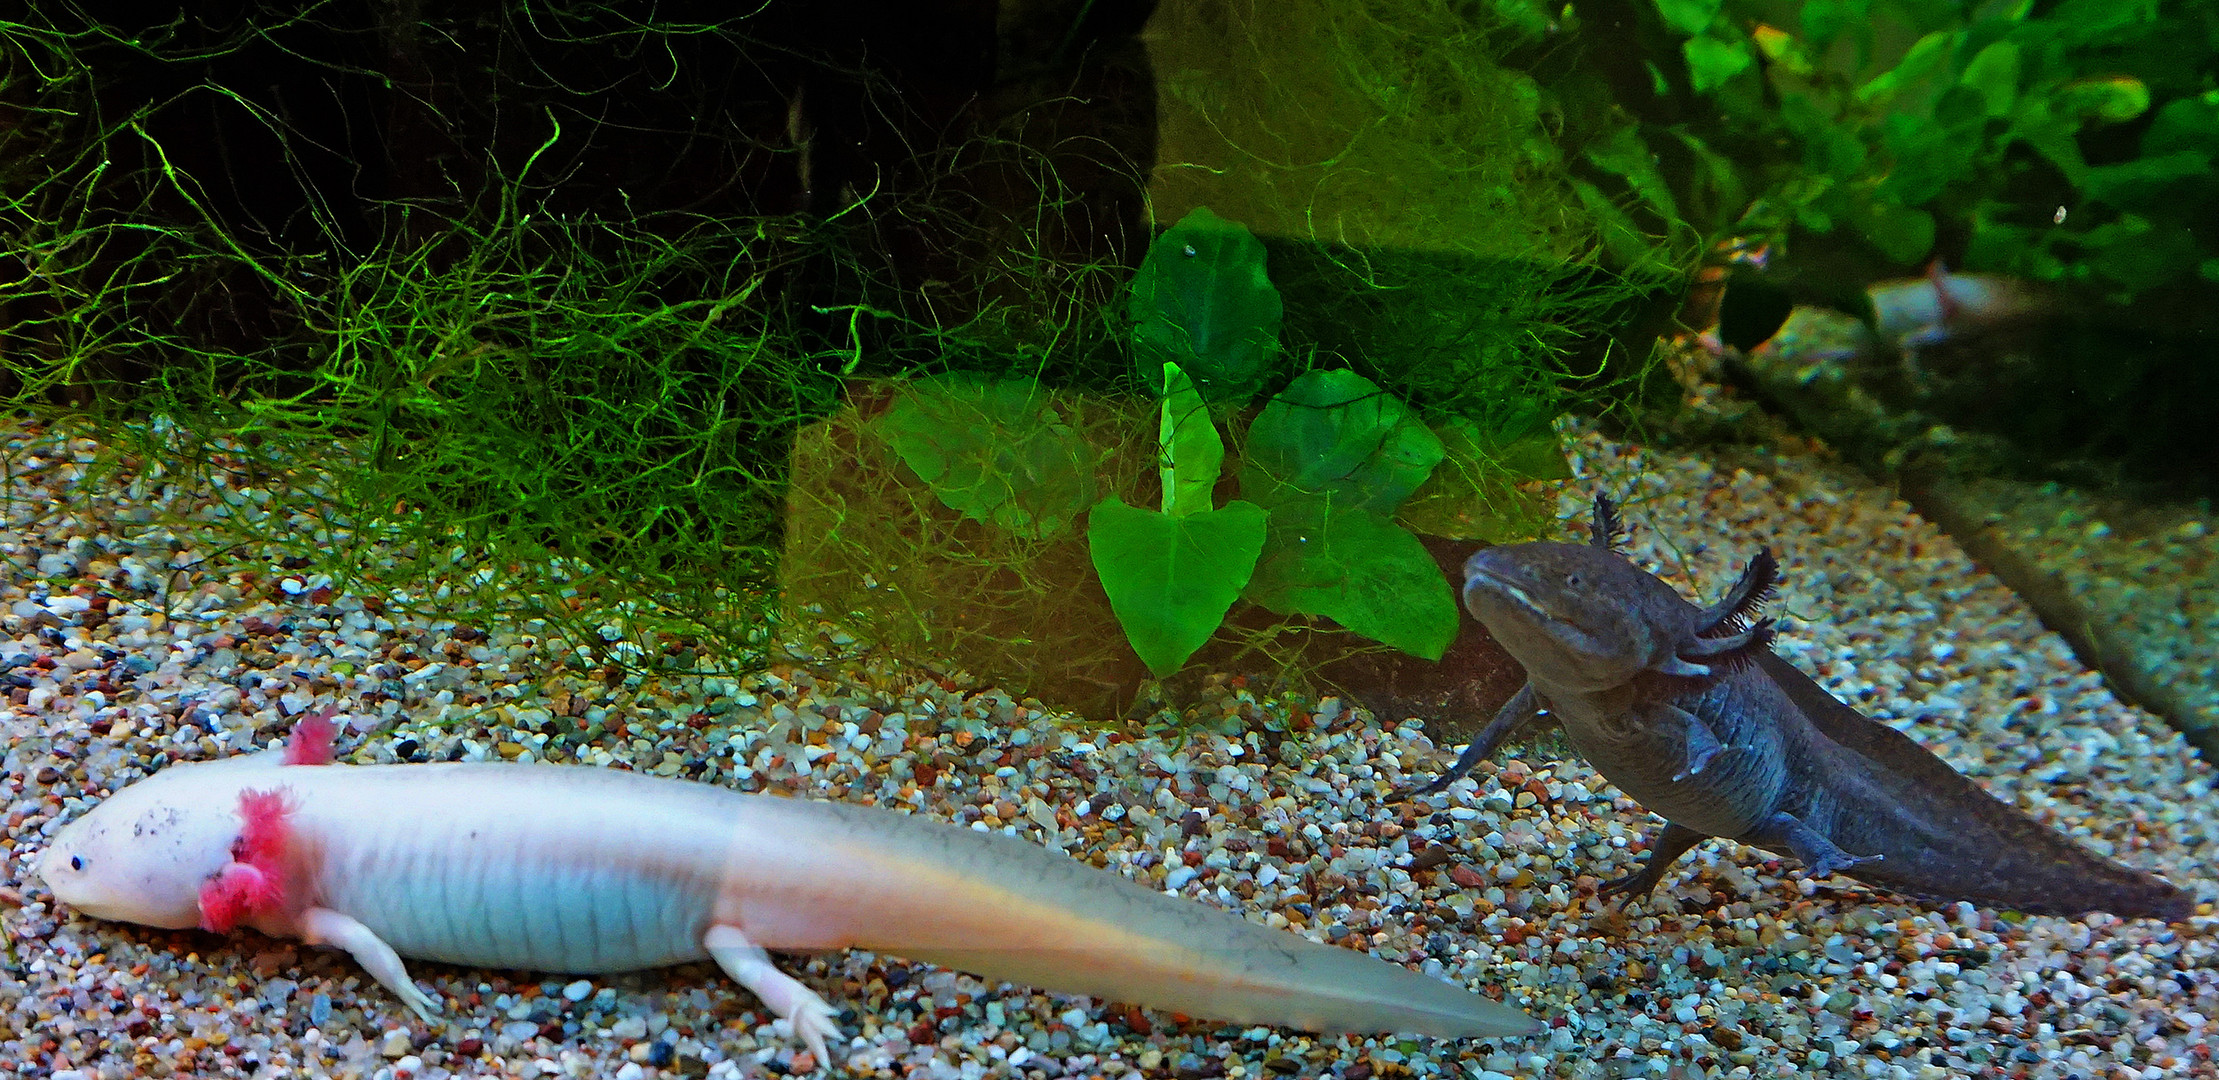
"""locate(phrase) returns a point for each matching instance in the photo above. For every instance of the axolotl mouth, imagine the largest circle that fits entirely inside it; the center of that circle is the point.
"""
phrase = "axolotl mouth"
(1539, 602)
(1500, 589)
(99, 864)
(1487, 584)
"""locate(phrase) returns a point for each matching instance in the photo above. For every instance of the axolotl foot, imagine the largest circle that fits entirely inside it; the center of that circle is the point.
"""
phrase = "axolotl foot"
(811, 1016)
(1701, 759)
(1703, 747)
(1820, 856)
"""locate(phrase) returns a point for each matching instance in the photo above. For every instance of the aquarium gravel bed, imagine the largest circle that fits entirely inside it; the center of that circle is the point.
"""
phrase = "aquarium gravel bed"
(126, 644)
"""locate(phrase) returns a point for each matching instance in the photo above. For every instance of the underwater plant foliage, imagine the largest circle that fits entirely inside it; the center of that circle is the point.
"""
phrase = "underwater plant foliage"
(550, 398)
(994, 451)
(1336, 435)
(1203, 300)
(2064, 150)
(498, 354)
(1928, 127)
(1412, 185)
(871, 544)
(1419, 255)
(1324, 466)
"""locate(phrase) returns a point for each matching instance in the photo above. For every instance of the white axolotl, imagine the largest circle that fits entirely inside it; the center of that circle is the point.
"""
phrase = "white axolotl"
(575, 869)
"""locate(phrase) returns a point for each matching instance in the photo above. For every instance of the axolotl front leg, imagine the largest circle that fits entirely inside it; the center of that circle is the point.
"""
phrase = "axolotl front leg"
(323, 926)
(1701, 744)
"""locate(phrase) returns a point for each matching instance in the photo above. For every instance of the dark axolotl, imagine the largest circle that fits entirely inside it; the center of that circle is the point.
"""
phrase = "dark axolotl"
(1688, 711)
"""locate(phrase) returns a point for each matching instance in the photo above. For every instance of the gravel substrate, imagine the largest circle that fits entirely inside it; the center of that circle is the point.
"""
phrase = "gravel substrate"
(2136, 582)
(126, 645)
(2129, 575)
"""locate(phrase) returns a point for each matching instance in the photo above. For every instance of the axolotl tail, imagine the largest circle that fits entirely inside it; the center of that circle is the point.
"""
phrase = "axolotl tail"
(1946, 837)
(1062, 925)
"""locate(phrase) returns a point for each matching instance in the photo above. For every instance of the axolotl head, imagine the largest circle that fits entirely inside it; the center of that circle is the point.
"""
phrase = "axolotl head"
(1578, 617)
(144, 853)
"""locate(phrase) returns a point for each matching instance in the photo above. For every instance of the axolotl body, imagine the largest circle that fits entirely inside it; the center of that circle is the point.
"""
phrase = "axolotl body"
(579, 869)
(1688, 711)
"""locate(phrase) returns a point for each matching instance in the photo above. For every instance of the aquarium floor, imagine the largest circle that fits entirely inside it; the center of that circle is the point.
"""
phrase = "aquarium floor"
(2129, 575)
(124, 641)
(2133, 584)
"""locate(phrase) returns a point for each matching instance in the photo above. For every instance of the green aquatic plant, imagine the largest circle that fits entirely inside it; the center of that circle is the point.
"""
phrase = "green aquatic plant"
(994, 450)
(2011, 126)
(1172, 574)
(1324, 464)
(1331, 458)
(500, 385)
(1324, 467)
(1203, 300)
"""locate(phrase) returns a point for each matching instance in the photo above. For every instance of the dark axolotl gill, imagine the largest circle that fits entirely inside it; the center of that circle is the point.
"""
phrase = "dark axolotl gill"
(1688, 710)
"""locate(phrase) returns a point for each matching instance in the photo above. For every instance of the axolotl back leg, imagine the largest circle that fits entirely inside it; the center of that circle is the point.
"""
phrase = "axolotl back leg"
(1820, 856)
(747, 963)
(1666, 845)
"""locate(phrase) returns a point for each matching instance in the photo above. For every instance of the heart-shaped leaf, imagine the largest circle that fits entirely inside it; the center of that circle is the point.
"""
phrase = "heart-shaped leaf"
(1337, 434)
(992, 451)
(1203, 301)
(1358, 569)
(1475, 495)
(1171, 579)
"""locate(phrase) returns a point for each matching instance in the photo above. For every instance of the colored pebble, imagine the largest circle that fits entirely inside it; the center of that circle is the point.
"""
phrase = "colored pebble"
(1737, 968)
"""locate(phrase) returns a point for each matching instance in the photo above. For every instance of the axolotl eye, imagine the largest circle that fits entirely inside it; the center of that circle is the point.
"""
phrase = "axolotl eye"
(77, 862)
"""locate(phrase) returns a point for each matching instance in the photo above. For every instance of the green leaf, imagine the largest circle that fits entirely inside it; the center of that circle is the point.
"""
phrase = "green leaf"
(2187, 124)
(2138, 253)
(1824, 19)
(1714, 173)
(1926, 57)
(1358, 569)
(1927, 158)
(1903, 234)
(1623, 239)
(1782, 51)
(1172, 579)
(1336, 433)
(1192, 451)
(2100, 22)
(992, 451)
(2138, 183)
(2111, 99)
(1527, 18)
(1533, 457)
(1623, 153)
(1994, 74)
(1474, 493)
(1689, 16)
(1202, 300)
(1712, 62)
(2051, 134)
